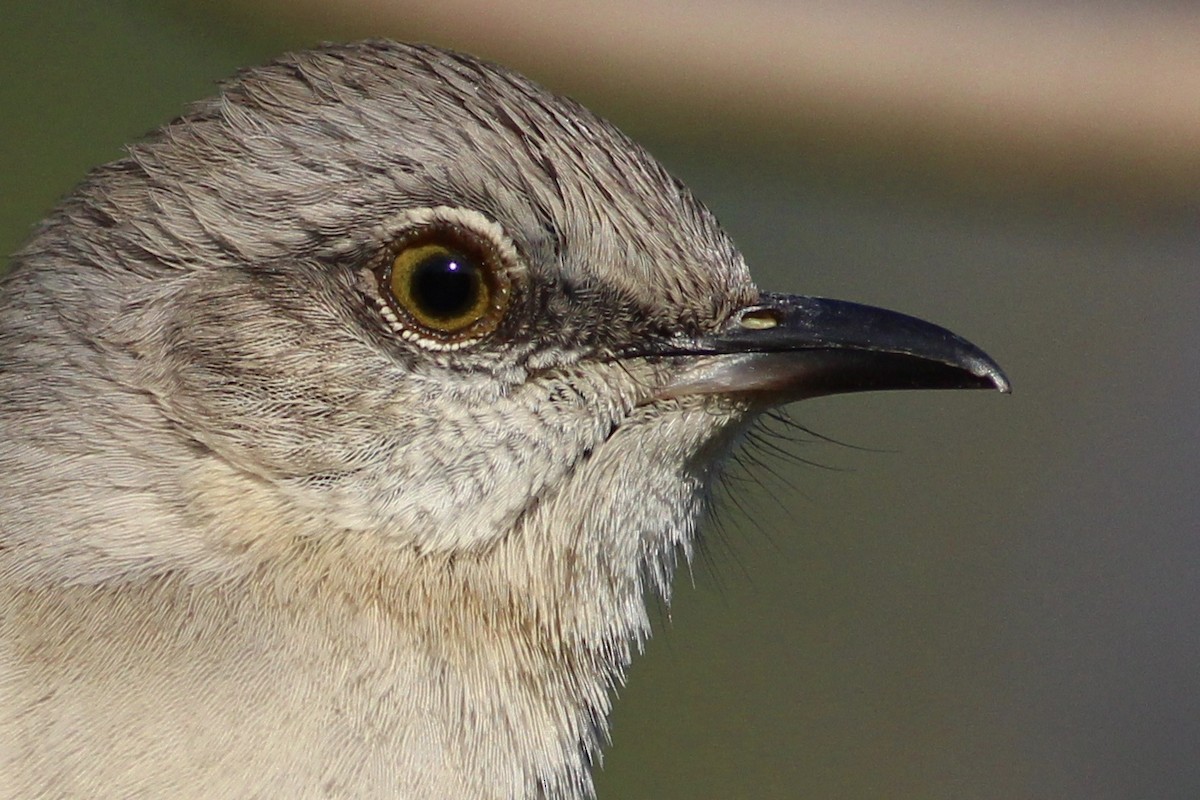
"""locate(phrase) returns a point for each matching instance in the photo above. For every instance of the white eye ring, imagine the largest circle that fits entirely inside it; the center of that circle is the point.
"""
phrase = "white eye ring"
(448, 279)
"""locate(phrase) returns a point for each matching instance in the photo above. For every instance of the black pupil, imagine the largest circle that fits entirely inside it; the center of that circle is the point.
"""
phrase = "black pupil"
(446, 285)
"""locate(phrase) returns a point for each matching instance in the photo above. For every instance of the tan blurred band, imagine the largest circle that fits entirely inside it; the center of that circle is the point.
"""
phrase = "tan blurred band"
(1025, 93)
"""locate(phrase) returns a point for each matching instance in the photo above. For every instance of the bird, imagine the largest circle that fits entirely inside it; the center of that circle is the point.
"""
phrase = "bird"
(351, 420)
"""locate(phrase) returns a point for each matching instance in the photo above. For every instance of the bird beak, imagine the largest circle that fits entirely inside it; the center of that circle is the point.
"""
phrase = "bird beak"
(785, 348)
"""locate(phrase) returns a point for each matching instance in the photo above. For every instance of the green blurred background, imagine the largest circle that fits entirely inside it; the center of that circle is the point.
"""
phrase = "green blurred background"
(999, 597)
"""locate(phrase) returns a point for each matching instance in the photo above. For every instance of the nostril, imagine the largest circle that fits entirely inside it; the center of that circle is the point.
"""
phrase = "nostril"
(759, 319)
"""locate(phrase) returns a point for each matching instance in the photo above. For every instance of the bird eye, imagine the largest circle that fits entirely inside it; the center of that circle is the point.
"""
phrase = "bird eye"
(447, 286)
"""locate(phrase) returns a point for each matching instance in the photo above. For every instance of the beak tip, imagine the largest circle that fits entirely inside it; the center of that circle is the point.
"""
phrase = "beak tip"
(989, 372)
(1000, 382)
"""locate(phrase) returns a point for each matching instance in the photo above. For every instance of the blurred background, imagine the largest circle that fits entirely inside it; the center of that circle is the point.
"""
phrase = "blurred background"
(997, 597)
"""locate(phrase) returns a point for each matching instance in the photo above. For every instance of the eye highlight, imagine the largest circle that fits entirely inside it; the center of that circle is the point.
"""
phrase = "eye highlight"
(447, 285)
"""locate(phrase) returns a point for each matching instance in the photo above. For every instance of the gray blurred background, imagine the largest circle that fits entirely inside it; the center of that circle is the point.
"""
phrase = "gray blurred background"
(998, 596)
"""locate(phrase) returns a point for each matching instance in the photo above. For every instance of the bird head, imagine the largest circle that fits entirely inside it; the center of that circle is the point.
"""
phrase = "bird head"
(396, 296)
(387, 354)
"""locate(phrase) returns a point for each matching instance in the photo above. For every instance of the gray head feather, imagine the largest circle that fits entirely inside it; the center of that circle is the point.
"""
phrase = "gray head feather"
(438, 555)
(348, 420)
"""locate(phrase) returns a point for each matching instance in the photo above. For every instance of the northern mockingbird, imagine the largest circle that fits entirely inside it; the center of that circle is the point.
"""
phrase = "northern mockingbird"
(348, 419)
